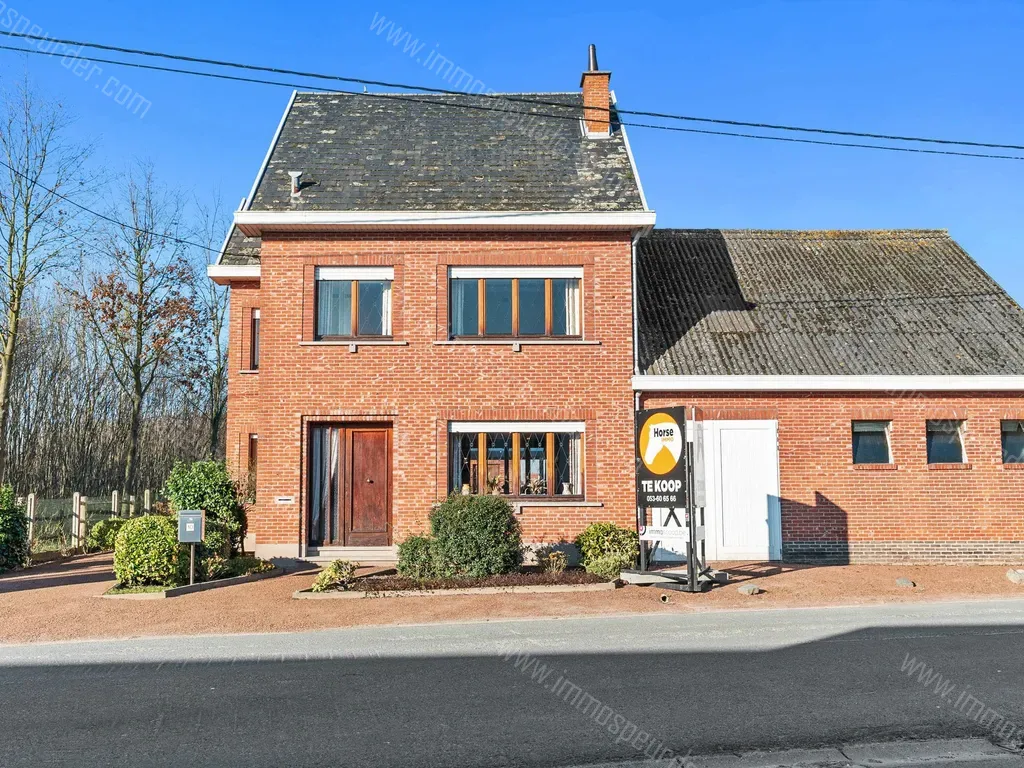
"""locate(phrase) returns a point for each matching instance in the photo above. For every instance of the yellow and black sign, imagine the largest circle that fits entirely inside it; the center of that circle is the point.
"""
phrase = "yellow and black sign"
(660, 458)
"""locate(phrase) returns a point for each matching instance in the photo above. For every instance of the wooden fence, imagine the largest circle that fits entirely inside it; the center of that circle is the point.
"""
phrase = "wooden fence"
(65, 523)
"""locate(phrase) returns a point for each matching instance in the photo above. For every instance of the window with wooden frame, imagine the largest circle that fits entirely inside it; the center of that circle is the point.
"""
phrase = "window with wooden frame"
(518, 459)
(253, 464)
(254, 340)
(353, 302)
(515, 302)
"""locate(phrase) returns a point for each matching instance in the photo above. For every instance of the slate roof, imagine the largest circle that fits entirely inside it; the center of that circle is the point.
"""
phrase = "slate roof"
(430, 152)
(905, 302)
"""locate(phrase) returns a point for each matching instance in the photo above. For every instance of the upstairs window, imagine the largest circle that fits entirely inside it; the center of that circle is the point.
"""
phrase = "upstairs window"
(871, 442)
(1013, 442)
(520, 459)
(945, 442)
(515, 302)
(353, 302)
(254, 341)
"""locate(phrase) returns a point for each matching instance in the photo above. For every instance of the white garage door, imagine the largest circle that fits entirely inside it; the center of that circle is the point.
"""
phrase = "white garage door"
(743, 515)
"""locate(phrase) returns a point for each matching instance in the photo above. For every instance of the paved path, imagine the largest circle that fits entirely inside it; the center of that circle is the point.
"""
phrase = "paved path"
(526, 693)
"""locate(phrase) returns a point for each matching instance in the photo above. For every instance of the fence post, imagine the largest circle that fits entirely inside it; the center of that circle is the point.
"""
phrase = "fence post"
(131, 506)
(82, 521)
(76, 509)
(30, 510)
(147, 502)
(115, 504)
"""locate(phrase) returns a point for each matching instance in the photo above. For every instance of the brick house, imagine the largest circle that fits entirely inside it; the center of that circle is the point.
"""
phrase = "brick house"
(434, 294)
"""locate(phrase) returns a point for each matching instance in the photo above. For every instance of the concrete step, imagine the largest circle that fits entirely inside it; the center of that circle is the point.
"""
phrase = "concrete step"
(360, 555)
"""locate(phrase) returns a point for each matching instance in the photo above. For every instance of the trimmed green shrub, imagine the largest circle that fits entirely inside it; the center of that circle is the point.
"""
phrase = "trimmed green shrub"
(102, 535)
(244, 565)
(337, 575)
(146, 552)
(475, 536)
(14, 543)
(416, 557)
(609, 566)
(603, 540)
(207, 485)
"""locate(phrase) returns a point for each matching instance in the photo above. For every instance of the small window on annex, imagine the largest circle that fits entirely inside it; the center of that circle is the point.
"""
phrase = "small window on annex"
(353, 302)
(871, 442)
(1013, 442)
(515, 302)
(520, 459)
(945, 442)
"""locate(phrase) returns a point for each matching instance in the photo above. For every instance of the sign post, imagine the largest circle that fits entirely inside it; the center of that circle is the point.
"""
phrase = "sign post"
(192, 531)
(670, 476)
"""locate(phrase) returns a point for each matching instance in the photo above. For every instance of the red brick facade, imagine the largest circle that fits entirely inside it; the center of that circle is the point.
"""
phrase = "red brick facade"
(427, 381)
(909, 511)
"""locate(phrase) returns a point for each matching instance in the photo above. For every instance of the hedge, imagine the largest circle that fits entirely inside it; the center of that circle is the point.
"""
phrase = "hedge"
(207, 485)
(14, 543)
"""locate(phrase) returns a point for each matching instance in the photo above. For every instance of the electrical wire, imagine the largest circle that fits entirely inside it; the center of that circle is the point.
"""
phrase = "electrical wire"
(510, 97)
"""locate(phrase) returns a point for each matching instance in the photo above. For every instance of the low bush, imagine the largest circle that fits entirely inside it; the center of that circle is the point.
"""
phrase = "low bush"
(102, 535)
(416, 557)
(207, 485)
(14, 543)
(474, 536)
(610, 544)
(609, 566)
(337, 575)
(555, 561)
(245, 565)
(146, 552)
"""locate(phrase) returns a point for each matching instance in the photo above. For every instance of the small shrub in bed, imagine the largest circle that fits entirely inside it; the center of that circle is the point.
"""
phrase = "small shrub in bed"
(606, 548)
(555, 561)
(103, 534)
(146, 552)
(14, 544)
(475, 536)
(337, 575)
(416, 557)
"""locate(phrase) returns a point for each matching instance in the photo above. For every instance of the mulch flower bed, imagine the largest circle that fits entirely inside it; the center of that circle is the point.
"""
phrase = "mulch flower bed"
(523, 579)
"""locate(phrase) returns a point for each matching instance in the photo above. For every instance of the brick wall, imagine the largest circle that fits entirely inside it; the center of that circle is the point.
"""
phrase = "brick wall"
(418, 388)
(833, 510)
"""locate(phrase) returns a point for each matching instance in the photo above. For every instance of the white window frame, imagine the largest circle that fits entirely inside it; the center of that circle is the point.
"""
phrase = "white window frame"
(961, 431)
(888, 438)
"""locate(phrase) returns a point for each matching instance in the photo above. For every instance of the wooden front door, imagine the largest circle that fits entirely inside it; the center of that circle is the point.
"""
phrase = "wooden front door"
(349, 486)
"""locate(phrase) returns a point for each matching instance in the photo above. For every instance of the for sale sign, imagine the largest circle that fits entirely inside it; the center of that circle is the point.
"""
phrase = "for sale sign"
(660, 459)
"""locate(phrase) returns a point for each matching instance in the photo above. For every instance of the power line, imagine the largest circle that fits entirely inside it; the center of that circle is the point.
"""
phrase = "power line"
(97, 214)
(482, 107)
(515, 98)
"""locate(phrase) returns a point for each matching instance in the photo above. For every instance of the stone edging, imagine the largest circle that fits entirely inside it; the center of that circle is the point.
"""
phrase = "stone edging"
(190, 588)
(305, 594)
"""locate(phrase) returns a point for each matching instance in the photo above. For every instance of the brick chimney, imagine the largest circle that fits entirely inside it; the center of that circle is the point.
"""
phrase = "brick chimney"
(596, 97)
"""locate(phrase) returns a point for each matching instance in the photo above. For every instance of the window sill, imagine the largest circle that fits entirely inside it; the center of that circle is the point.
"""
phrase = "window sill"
(355, 343)
(519, 503)
(249, 372)
(948, 467)
(517, 342)
(1014, 467)
(875, 467)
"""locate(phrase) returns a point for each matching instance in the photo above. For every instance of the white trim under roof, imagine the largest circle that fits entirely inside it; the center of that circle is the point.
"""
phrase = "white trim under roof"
(473, 427)
(222, 274)
(254, 223)
(483, 273)
(270, 151)
(355, 273)
(632, 161)
(889, 384)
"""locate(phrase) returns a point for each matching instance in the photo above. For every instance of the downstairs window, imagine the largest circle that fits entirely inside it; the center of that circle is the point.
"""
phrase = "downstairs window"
(519, 459)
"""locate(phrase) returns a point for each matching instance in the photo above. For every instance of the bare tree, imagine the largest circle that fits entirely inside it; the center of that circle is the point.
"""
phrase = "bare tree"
(213, 301)
(39, 177)
(141, 310)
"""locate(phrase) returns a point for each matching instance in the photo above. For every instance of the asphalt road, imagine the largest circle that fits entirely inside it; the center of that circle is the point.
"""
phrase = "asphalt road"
(478, 695)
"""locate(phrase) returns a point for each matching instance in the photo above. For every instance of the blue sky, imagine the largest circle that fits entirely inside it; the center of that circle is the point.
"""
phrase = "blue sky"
(948, 69)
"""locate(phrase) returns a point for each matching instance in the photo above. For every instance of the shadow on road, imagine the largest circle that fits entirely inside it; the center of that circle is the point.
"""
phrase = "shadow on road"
(521, 710)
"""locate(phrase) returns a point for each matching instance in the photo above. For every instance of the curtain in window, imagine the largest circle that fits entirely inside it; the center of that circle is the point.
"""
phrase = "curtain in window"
(565, 310)
(386, 310)
(567, 464)
(465, 308)
(334, 308)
